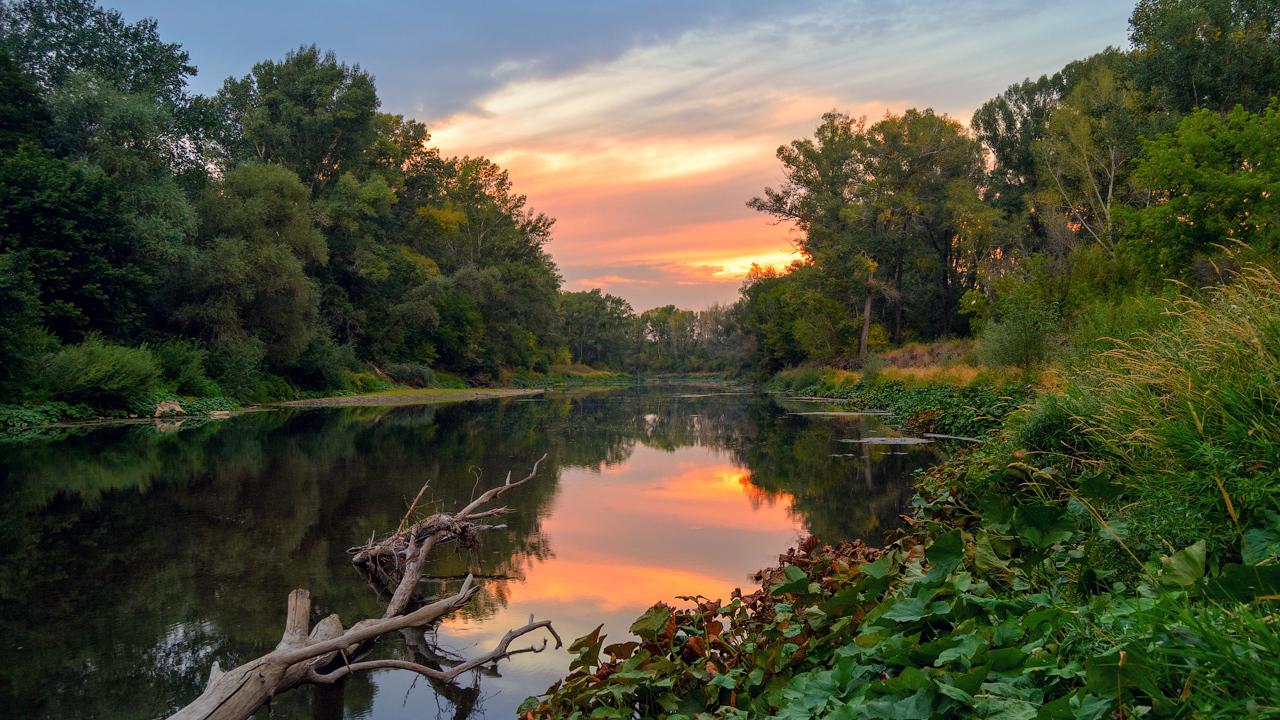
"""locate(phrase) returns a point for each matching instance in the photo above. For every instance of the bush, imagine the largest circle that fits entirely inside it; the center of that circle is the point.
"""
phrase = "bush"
(325, 365)
(100, 375)
(412, 374)
(1049, 427)
(367, 382)
(183, 365)
(17, 417)
(449, 380)
(796, 379)
(236, 365)
(872, 369)
(1021, 334)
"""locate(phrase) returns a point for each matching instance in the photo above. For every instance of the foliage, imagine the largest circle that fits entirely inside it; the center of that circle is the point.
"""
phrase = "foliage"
(598, 327)
(1213, 180)
(308, 113)
(411, 374)
(1028, 584)
(250, 279)
(18, 417)
(183, 365)
(56, 39)
(100, 374)
(959, 410)
(1210, 54)
(1186, 411)
(63, 226)
(1020, 335)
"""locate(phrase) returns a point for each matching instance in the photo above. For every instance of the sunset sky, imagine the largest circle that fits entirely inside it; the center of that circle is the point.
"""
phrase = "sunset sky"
(644, 127)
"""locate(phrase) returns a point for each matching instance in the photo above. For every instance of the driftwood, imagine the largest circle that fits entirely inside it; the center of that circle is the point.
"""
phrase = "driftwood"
(326, 653)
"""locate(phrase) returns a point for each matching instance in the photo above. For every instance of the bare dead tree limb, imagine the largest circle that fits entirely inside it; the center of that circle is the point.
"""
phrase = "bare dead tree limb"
(326, 652)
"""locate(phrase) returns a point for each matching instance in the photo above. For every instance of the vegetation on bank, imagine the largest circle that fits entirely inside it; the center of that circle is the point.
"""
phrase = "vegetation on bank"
(1112, 551)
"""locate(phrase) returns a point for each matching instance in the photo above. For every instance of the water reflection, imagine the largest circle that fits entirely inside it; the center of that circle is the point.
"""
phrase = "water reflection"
(134, 558)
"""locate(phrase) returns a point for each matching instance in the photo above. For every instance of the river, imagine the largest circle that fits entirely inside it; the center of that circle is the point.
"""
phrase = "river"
(135, 556)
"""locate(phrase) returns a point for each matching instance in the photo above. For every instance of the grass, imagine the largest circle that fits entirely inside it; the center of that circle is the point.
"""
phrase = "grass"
(1187, 415)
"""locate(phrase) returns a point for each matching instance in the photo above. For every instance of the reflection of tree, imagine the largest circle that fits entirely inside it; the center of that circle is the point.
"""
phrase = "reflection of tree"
(842, 490)
(132, 559)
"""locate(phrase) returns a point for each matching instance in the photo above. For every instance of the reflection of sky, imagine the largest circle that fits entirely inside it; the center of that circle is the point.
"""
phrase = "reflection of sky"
(643, 127)
(660, 525)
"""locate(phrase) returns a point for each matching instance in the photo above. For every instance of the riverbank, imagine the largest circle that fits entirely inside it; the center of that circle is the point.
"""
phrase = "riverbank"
(21, 422)
(1111, 551)
(408, 396)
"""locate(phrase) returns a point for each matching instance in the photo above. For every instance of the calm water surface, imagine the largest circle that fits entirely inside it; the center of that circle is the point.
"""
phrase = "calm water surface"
(133, 557)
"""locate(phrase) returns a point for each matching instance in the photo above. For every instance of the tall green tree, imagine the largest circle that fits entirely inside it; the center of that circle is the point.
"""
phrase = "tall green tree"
(55, 40)
(1215, 182)
(249, 280)
(598, 328)
(1211, 54)
(309, 113)
(64, 226)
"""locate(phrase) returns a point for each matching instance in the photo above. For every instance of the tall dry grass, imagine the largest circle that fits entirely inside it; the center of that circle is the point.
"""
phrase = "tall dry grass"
(1189, 411)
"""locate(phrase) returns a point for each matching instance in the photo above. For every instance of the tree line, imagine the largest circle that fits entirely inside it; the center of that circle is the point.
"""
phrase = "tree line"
(282, 235)
(1063, 194)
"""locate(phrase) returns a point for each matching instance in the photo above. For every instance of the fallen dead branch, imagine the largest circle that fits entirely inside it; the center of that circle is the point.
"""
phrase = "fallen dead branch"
(325, 653)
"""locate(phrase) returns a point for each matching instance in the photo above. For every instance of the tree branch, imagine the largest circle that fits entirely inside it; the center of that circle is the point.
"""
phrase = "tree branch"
(499, 652)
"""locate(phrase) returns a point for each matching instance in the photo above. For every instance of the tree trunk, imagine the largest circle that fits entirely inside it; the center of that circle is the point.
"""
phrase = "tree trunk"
(866, 328)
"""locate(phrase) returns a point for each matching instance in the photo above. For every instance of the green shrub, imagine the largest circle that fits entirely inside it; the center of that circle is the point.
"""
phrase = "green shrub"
(1018, 339)
(183, 365)
(872, 369)
(99, 374)
(272, 387)
(450, 380)
(236, 365)
(325, 365)
(367, 382)
(1021, 329)
(412, 374)
(17, 417)
(1049, 427)
(795, 379)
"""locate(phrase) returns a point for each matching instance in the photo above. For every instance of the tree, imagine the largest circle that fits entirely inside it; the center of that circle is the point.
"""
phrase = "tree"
(923, 169)
(64, 226)
(21, 340)
(1214, 182)
(58, 39)
(250, 278)
(1009, 126)
(128, 137)
(1086, 152)
(308, 113)
(598, 328)
(1211, 54)
(23, 115)
(770, 317)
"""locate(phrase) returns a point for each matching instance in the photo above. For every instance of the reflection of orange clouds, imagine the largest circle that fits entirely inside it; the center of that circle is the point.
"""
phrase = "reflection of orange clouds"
(662, 524)
(697, 495)
(614, 585)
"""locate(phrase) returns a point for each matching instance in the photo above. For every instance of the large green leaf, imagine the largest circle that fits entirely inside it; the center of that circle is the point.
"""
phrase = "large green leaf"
(1185, 567)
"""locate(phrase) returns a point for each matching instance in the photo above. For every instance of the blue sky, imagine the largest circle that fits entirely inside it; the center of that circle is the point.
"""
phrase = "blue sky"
(644, 127)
